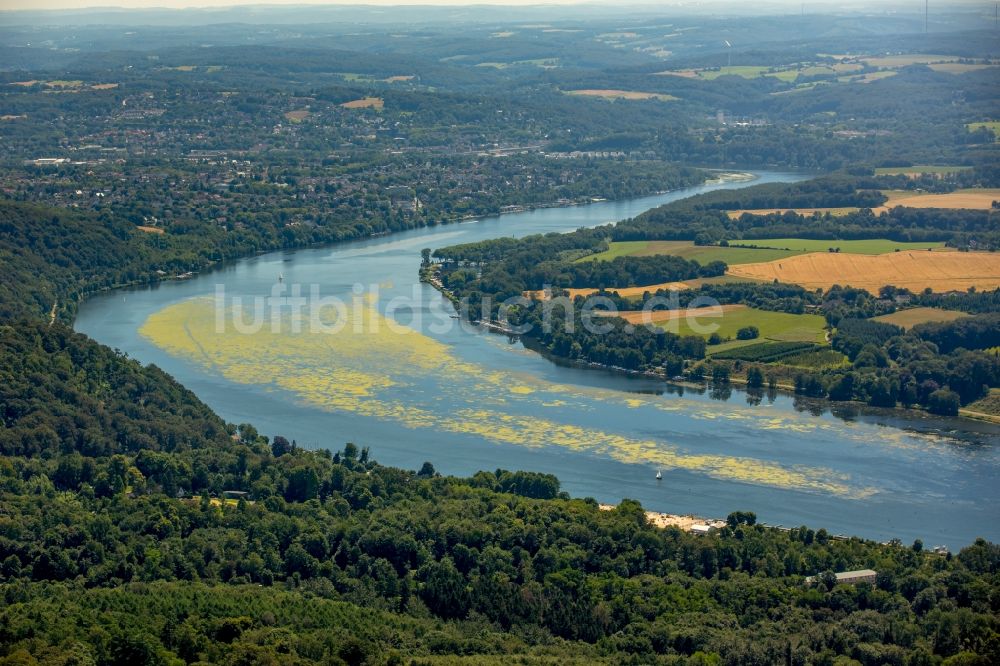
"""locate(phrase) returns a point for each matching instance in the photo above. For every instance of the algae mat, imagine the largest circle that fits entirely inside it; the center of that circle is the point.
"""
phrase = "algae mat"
(377, 368)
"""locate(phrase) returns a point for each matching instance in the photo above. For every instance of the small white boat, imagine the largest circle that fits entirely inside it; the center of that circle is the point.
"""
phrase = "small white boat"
(658, 475)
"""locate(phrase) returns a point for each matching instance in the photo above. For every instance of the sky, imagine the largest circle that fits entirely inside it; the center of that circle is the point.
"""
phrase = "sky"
(179, 4)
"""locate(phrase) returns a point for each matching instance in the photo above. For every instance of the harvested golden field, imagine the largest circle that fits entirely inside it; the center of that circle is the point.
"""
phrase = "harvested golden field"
(913, 316)
(625, 292)
(633, 292)
(104, 86)
(871, 77)
(973, 199)
(907, 59)
(298, 115)
(399, 78)
(365, 103)
(957, 67)
(150, 230)
(620, 94)
(847, 67)
(916, 271)
(735, 214)
(920, 170)
(682, 73)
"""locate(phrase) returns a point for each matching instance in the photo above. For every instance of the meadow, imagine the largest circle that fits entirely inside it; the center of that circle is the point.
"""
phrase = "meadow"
(868, 246)
(988, 404)
(621, 94)
(776, 326)
(848, 70)
(742, 252)
(923, 168)
(959, 67)
(912, 316)
(905, 60)
(991, 125)
(703, 254)
(297, 116)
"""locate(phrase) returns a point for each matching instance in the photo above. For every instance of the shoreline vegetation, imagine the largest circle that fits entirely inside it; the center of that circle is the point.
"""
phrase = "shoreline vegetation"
(139, 528)
(429, 274)
(939, 363)
(706, 383)
(210, 266)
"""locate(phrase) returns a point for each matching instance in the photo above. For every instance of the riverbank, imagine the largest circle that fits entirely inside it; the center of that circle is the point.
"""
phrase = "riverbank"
(67, 313)
(485, 402)
(686, 523)
(429, 275)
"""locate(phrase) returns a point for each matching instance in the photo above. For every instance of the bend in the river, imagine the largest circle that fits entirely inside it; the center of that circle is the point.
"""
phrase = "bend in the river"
(405, 378)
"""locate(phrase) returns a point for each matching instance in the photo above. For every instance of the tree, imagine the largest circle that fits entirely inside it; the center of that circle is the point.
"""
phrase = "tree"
(444, 590)
(280, 446)
(303, 484)
(944, 402)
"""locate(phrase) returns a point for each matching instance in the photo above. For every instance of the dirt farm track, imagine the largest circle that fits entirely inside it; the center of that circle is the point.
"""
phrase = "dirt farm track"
(916, 271)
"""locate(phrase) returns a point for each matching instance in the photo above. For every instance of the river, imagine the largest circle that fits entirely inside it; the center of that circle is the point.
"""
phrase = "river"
(404, 378)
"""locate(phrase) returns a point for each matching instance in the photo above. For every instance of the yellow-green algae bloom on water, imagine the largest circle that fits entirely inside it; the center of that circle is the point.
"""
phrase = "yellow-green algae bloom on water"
(376, 368)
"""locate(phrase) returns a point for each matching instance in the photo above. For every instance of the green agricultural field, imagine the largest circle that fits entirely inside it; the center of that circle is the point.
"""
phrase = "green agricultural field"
(905, 60)
(706, 254)
(703, 254)
(913, 316)
(623, 249)
(768, 249)
(993, 126)
(870, 246)
(746, 71)
(778, 326)
(988, 405)
(787, 75)
(922, 169)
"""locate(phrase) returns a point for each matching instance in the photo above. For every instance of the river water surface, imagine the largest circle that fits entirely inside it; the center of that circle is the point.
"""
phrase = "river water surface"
(415, 386)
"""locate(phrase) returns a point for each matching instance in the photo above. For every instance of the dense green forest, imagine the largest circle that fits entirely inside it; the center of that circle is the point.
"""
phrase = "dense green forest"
(120, 543)
(114, 549)
(138, 527)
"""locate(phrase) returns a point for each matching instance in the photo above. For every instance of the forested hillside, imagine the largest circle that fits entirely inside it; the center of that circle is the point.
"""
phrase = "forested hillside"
(134, 529)
(138, 527)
